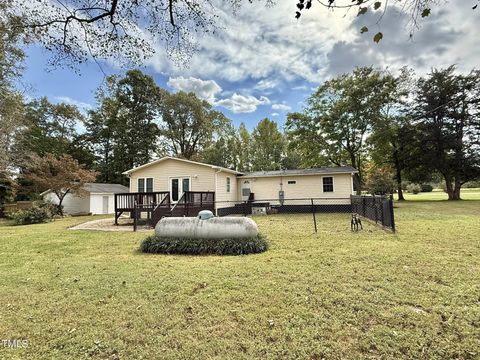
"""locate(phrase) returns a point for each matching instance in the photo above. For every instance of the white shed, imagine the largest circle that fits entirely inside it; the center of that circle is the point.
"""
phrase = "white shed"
(98, 200)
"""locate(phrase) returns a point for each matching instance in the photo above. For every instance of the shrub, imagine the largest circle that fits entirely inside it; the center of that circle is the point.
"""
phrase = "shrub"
(158, 245)
(414, 188)
(426, 188)
(472, 185)
(34, 215)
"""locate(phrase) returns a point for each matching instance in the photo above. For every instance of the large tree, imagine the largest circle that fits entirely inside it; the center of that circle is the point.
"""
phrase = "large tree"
(339, 116)
(446, 115)
(268, 146)
(62, 175)
(225, 148)
(188, 125)
(123, 130)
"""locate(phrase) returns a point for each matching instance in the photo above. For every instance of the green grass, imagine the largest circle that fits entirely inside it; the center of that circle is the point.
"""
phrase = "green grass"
(335, 295)
(438, 194)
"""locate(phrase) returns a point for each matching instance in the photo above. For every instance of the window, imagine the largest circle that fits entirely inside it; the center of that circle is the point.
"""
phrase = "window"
(292, 182)
(185, 184)
(228, 184)
(328, 184)
(145, 185)
(149, 183)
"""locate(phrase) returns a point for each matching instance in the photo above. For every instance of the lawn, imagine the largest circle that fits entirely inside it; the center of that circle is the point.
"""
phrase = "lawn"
(437, 194)
(335, 295)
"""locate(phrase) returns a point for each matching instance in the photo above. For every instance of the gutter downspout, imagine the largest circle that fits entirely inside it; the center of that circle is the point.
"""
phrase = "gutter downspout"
(216, 182)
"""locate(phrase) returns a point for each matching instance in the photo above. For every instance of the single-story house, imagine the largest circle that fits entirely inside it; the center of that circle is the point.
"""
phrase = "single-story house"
(99, 199)
(175, 176)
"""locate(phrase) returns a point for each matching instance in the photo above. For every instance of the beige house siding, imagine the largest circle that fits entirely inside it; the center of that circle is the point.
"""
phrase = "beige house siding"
(306, 186)
(202, 178)
(221, 193)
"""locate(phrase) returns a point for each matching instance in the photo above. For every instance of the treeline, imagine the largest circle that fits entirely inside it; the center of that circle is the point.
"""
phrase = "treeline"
(391, 127)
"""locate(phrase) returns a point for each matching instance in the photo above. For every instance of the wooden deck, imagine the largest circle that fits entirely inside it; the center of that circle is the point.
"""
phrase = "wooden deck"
(158, 205)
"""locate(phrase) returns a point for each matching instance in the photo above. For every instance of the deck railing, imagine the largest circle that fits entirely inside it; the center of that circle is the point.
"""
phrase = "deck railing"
(145, 200)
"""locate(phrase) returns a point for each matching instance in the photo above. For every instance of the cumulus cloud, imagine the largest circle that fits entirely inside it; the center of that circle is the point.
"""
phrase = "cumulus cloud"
(204, 89)
(281, 107)
(242, 104)
(274, 114)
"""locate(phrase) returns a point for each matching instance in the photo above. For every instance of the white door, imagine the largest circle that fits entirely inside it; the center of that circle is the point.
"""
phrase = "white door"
(177, 187)
(105, 205)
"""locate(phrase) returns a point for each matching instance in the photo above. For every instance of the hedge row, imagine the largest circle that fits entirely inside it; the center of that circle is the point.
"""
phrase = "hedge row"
(158, 245)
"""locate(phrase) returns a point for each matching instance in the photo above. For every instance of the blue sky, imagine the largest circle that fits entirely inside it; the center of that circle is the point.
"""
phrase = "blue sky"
(263, 63)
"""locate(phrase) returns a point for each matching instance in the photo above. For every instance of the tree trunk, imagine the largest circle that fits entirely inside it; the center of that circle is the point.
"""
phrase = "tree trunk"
(456, 189)
(398, 178)
(449, 188)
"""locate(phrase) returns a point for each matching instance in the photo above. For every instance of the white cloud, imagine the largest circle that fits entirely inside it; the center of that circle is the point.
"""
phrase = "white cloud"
(282, 107)
(242, 104)
(266, 84)
(204, 89)
(275, 114)
(82, 106)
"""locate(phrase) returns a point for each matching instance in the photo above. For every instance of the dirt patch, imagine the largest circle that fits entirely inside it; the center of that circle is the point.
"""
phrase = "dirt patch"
(124, 224)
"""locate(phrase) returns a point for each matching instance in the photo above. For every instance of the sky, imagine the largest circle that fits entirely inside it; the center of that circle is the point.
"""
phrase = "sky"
(262, 62)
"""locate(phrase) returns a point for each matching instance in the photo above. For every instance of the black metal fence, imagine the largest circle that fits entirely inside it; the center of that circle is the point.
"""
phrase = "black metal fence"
(375, 208)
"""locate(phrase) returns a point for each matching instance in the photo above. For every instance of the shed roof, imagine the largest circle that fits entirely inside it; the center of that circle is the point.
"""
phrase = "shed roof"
(98, 188)
(311, 171)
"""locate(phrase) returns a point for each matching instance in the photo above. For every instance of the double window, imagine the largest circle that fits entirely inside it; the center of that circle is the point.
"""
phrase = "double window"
(327, 184)
(292, 182)
(145, 185)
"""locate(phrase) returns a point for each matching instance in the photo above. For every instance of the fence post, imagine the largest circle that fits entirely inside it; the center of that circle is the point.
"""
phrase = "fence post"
(135, 215)
(390, 205)
(382, 212)
(313, 214)
(375, 206)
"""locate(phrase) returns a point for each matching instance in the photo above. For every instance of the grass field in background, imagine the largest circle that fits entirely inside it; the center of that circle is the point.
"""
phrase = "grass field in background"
(438, 194)
(335, 295)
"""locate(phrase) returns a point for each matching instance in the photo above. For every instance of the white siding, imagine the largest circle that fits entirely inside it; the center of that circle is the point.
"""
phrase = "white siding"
(71, 204)
(96, 204)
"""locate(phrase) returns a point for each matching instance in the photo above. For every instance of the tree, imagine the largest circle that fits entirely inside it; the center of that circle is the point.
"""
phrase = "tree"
(123, 130)
(245, 149)
(446, 115)
(391, 139)
(63, 175)
(224, 150)
(379, 180)
(339, 116)
(188, 124)
(76, 30)
(268, 146)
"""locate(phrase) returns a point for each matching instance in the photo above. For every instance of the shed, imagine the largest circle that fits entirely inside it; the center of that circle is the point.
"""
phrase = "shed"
(98, 200)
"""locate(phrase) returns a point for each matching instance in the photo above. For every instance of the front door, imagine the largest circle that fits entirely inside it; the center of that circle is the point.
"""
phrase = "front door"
(246, 190)
(177, 187)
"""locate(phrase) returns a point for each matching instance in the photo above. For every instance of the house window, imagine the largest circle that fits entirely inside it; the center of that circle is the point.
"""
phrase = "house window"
(292, 182)
(328, 184)
(145, 185)
(228, 184)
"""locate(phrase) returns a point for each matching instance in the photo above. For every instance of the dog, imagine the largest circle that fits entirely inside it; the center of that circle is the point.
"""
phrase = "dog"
(356, 222)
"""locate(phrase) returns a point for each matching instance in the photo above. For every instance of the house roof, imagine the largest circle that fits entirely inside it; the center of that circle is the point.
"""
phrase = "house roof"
(294, 172)
(128, 172)
(97, 188)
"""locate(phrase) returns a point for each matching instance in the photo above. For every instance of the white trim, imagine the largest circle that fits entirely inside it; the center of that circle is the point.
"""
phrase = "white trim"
(128, 172)
(180, 183)
(333, 184)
